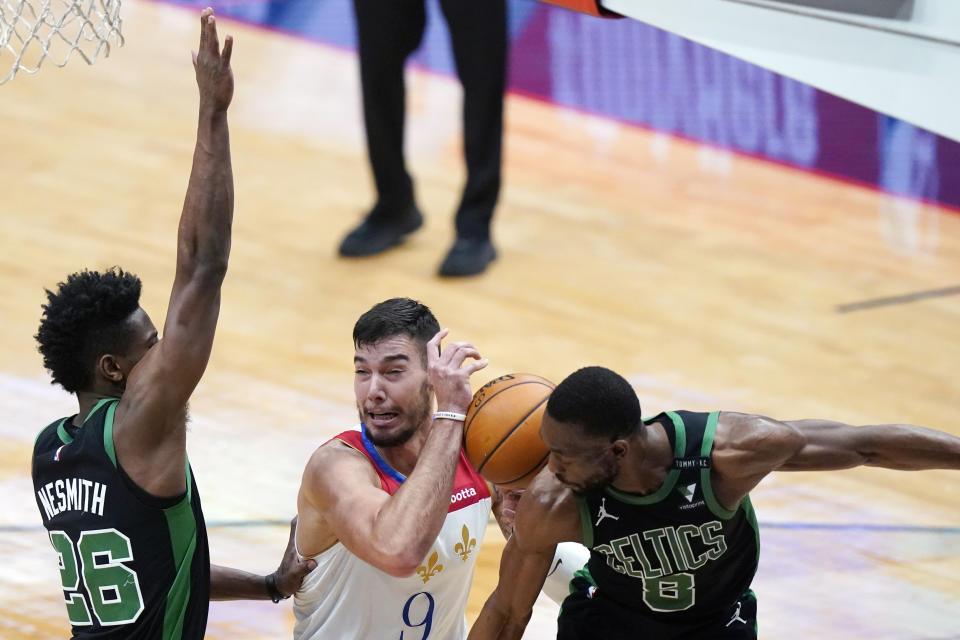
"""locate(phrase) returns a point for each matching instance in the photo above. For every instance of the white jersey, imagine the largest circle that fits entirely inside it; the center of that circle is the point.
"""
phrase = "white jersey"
(345, 598)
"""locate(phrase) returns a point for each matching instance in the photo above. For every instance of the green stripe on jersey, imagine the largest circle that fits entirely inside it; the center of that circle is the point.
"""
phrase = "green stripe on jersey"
(679, 451)
(99, 404)
(586, 523)
(705, 479)
(65, 437)
(182, 526)
(752, 519)
(108, 433)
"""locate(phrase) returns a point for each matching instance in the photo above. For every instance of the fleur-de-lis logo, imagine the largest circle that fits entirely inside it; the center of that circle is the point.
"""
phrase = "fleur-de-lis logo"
(465, 548)
(432, 568)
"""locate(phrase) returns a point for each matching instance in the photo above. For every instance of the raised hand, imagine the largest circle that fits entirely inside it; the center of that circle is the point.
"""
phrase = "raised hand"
(448, 375)
(214, 75)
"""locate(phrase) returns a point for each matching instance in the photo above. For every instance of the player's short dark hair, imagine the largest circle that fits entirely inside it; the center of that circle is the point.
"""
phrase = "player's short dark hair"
(396, 317)
(85, 318)
(598, 400)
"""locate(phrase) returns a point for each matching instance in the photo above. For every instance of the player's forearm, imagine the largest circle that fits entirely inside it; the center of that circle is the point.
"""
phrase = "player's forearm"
(426, 492)
(227, 583)
(833, 445)
(906, 447)
(494, 624)
(204, 238)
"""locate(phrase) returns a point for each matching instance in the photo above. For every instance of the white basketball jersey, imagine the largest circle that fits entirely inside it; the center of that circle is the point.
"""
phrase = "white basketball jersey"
(345, 598)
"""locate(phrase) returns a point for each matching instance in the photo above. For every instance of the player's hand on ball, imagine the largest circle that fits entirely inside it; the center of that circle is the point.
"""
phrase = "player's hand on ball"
(448, 372)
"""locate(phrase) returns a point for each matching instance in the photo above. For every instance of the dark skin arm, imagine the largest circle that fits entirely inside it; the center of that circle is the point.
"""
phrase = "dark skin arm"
(233, 584)
(546, 515)
(834, 445)
(149, 425)
(748, 447)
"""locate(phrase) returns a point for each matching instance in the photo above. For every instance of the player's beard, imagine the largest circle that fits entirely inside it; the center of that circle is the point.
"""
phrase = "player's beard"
(599, 481)
(417, 416)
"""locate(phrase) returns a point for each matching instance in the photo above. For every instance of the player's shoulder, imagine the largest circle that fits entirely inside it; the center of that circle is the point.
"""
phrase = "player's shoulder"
(745, 430)
(547, 505)
(335, 460)
(49, 436)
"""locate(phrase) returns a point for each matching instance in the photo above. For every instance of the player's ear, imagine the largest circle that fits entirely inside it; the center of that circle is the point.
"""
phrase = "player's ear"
(619, 447)
(109, 368)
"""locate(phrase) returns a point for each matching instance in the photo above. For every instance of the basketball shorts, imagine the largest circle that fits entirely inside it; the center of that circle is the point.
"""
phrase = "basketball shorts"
(587, 615)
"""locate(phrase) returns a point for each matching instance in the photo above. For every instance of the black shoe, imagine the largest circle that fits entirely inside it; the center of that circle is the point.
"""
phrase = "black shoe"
(468, 257)
(376, 235)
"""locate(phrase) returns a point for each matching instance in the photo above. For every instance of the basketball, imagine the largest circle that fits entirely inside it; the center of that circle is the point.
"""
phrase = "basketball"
(502, 430)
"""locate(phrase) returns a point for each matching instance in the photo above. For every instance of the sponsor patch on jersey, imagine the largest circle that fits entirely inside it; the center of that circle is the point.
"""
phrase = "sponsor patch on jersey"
(464, 497)
(56, 455)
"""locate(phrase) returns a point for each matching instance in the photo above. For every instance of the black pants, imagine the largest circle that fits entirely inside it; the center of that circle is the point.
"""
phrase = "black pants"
(388, 32)
(586, 616)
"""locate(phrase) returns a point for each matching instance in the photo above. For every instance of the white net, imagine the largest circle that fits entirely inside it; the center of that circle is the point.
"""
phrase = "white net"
(32, 31)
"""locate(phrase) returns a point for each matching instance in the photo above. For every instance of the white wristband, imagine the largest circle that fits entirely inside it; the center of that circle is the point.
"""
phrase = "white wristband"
(450, 415)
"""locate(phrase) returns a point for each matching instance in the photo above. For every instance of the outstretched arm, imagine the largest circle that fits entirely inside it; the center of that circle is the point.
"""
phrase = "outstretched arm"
(150, 432)
(748, 447)
(834, 445)
(227, 583)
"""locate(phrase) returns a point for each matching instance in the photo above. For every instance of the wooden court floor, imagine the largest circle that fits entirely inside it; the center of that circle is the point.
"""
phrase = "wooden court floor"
(710, 281)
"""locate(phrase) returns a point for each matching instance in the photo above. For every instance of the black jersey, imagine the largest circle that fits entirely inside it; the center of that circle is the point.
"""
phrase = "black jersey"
(676, 555)
(133, 566)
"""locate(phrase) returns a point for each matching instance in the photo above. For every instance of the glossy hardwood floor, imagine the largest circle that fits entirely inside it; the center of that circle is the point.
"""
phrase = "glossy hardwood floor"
(711, 281)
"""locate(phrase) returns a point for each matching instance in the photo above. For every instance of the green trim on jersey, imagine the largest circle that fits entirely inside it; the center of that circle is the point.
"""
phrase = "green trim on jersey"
(705, 480)
(108, 433)
(679, 450)
(586, 523)
(579, 573)
(65, 437)
(182, 526)
(99, 404)
(189, 477)
(585, 574)
(752, 519)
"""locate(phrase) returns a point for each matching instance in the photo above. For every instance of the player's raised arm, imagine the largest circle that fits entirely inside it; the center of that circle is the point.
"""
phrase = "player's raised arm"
(150, 425)
(834, 445)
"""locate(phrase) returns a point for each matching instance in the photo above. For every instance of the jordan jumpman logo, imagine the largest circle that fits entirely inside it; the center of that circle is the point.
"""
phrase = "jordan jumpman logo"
(603, 513)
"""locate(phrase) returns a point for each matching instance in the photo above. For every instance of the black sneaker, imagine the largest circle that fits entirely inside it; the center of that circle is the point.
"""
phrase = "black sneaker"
(376, 235)
(468, 257)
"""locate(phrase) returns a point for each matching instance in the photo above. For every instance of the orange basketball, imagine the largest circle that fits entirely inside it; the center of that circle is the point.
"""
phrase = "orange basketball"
(502, 432)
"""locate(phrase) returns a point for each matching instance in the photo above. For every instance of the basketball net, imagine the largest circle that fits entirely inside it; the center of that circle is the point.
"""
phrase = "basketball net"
(32, 31)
